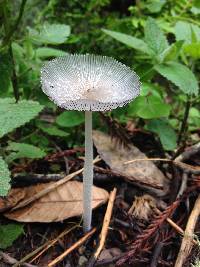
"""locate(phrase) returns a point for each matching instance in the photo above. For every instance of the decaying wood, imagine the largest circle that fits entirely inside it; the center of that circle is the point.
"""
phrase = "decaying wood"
(74, 246)
(187, 243)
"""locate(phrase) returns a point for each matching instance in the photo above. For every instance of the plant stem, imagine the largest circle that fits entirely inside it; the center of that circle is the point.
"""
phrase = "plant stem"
(88, 173)
(184, 122)
(16, 24)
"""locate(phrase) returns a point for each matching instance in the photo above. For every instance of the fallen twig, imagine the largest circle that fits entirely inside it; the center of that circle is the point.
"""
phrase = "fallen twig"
(10, 260)
(50, 188)
(185, 167)
(187, 243)
(148, 232)
(40, 250)
(105, 226)
(74, 246)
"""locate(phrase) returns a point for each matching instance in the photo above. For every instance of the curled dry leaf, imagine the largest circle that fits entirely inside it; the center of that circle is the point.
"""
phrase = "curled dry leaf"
(143, 173)
(12, 199)
(62, 203)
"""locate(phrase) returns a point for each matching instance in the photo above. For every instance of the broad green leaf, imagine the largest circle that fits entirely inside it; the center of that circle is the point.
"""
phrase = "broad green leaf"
(192, 50)
(154, 37)
(128, 40)
(185, 31)
(53, 130)
(50, 34)
(155, 6)
(70, 118)
(5, 73)
(46, 52)
(13, 115)
(4, 178)
(165, 132)
(172, 52)
(22, 150)
(149, 107)
(9, 233)
(149, 89)
(180, 75)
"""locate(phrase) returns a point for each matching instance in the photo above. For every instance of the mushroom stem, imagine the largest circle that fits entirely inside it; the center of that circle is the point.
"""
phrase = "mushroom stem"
(88, 173)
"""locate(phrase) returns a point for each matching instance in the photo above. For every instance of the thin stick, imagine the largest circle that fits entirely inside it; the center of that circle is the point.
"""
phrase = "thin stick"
(74, 246)
(10, 260)
(186, 245)
(175, 226)
(106, 223)
(185, 167)
(88, 173)
(43, 247)
(50, 188)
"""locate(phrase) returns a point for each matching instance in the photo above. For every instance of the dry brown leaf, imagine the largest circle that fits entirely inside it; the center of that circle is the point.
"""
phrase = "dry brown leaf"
(12, 199)
(62, 203)
(143, 173)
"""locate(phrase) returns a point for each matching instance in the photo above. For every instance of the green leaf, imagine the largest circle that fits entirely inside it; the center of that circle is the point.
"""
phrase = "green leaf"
(24, 151)
(185, 31)
(128, 40)
(70, 118)
(149, 107)
(165, 132)
(192, 50)
(172, 52)
(46, 52)
(53, 130)
(154, 37)
(180, 75)
(5, 73)
(50, 34)
(4, 178)
(155, 6)
(13, 115)
(9, 233)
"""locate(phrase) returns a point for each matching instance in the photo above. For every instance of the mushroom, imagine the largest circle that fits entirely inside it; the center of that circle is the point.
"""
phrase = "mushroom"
(89, 83)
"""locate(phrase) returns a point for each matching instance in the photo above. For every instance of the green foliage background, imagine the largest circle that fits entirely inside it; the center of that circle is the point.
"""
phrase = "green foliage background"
(159, 39)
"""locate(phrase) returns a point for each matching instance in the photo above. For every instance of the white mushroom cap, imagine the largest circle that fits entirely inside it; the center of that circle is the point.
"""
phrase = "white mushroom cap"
(89, 82)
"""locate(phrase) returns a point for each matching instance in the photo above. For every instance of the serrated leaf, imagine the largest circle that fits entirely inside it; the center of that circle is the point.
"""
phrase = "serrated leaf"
(149, 107)
(50, 34)
(24, 151)
(165, 132)
(154, 37)
(9, 233)
(128, 40)
(155, 6)
(13, 115)
(70, 118)
(185, 31)
(180, 75)
(46, 52)
(172, 52)
(4, 178)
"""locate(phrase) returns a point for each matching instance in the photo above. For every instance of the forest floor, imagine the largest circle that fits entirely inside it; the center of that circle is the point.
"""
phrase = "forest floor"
(146, 212)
